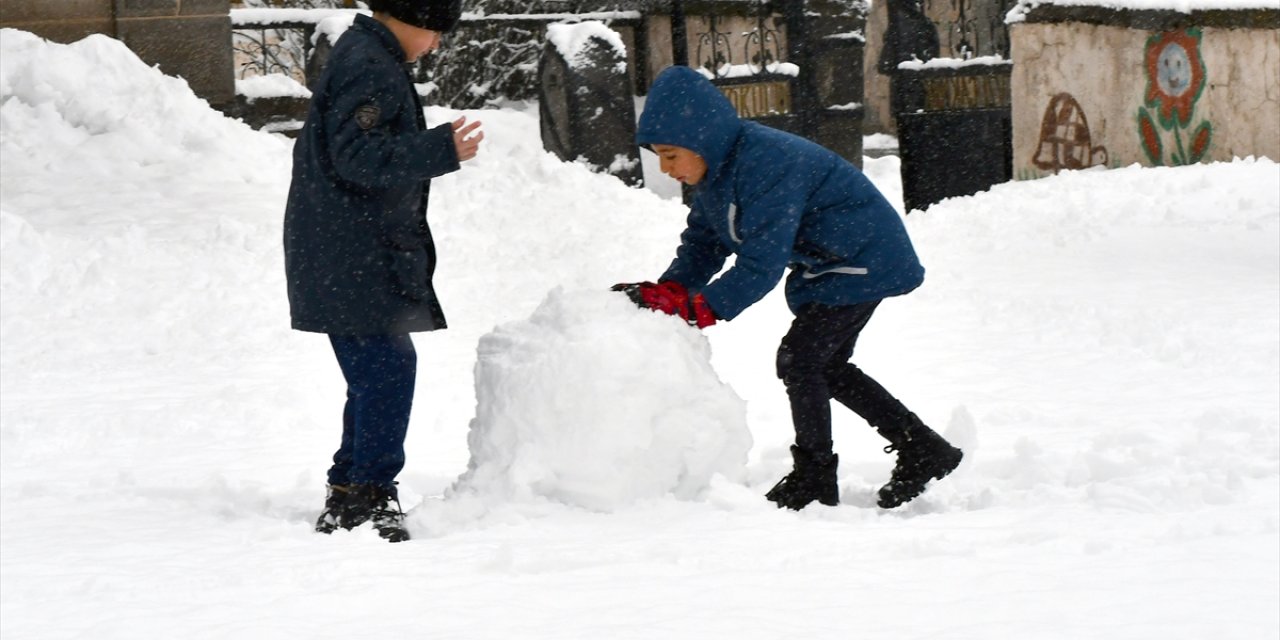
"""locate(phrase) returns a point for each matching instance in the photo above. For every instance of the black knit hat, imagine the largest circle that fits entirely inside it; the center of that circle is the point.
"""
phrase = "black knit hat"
(436, 15)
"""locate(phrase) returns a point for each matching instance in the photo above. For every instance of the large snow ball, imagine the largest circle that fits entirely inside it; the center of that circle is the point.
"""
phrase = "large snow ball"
(596, 403)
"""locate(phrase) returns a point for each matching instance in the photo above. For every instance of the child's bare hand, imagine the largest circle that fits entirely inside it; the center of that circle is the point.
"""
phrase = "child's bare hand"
(466, 147)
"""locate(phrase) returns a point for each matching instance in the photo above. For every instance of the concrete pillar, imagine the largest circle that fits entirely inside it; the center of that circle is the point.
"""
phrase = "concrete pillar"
(187, 38)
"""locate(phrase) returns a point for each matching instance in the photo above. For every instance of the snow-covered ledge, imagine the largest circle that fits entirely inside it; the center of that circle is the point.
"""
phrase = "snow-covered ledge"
(1141, 11)
(1153, 82)
(954, 63)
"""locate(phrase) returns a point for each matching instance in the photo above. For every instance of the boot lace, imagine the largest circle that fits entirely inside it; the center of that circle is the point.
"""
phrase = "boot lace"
(387, 511)
(388, 520)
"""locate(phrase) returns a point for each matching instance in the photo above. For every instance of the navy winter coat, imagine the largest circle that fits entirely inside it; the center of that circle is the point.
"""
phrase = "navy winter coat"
(777, 201)
(358, 254)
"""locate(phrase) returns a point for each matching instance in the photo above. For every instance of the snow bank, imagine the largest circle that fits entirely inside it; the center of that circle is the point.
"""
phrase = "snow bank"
(93, 109)
(595, 403)
(119, 182)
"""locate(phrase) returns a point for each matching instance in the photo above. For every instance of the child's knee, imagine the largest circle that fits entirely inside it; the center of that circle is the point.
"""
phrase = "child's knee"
(793, 368)
(784, 361)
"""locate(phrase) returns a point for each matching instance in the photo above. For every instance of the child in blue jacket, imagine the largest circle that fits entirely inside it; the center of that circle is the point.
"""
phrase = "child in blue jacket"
(781, 202)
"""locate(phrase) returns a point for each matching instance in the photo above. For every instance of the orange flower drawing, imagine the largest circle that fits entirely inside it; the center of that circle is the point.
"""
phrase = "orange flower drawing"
(1175, 80)
(1175, 75)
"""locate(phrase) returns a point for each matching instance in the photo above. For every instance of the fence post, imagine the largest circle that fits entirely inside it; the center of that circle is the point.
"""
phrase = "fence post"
(585, 107)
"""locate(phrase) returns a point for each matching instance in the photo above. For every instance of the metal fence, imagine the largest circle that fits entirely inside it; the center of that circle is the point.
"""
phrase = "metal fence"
(277, 47)
(752, 51)
(485, 59)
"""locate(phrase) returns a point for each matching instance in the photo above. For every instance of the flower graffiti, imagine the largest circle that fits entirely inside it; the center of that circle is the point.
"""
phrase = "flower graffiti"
(1175, 79)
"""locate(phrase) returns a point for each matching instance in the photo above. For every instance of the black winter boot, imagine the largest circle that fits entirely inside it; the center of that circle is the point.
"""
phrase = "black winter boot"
(811, 478)
(923, 455)
(378, 504)
(335, 503)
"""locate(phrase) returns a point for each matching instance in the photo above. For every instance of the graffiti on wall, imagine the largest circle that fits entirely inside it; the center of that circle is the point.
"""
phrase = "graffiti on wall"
(1065, 141)
(1175, 79)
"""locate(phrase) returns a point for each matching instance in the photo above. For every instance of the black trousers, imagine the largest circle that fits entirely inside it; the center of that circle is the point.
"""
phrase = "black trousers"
(813, 363)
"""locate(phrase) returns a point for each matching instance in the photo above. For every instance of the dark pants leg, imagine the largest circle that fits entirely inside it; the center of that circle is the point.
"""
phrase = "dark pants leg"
(813, 363)
(380, 373)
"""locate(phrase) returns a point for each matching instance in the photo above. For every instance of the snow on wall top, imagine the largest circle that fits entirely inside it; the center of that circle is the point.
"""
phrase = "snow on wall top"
(242, 17)
(269, 15)
(748, 70)
(332, 27)
(591, 15)
(571, 40)
(953, 63)
(272, 85)
(1019, 12)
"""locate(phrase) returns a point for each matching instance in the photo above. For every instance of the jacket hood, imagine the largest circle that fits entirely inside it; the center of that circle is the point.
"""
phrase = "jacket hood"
(684, 109)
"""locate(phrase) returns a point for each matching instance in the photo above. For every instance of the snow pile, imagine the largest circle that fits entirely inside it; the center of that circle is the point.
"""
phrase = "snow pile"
(140, 118)
(120, 183)
(595, 403)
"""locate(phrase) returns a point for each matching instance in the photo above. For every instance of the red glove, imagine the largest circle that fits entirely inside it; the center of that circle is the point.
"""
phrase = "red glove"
(672, 298)
(700, 314)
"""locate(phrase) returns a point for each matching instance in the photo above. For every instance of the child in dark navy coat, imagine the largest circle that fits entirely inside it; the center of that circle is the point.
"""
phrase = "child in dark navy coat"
(781, 202)
(358, 253)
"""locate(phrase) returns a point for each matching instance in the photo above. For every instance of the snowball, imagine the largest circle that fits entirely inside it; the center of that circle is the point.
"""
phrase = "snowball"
(595, 403)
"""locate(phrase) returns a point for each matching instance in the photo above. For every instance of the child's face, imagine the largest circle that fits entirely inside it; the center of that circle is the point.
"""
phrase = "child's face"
(680, 163)
(419, 42)
(415, 41)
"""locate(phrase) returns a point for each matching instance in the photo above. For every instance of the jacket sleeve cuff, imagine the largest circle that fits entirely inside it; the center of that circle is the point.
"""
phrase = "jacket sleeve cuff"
(436, 152)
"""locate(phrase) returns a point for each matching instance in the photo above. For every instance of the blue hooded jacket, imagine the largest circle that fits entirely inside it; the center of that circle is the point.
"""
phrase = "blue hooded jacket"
(776, 200)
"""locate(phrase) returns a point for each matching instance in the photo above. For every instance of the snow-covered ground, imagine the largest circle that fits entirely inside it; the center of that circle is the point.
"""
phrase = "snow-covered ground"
(1105, 345)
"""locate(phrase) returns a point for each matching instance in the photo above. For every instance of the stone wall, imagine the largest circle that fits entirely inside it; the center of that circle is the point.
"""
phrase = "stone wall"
(187, 38)
(65, 21)
(1087, 94)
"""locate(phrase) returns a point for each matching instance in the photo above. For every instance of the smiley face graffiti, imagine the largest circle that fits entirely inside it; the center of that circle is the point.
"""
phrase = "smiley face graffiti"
(1175, 79)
